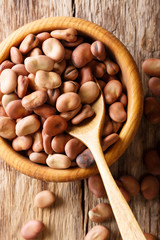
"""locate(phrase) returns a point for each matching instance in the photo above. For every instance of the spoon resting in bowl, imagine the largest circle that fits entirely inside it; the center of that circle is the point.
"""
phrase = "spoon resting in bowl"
(89, 133)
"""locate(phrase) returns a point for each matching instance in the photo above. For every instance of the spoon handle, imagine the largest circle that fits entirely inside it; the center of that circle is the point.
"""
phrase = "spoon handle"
(127, 224)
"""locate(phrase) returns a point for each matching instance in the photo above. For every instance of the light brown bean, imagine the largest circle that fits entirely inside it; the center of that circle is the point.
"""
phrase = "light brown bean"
(16, 55)
(33, 86)
(71, 73)
(47, 80)
(130, 184)
(69, 34)
(47, 143)
(86, 74)
(54, 125)
(70, 114)
(68, 101)
(89, 92)
(29, 42)
(15, 110)
(73, 44)
(116, 126)
(7, 98)
(53, 94)
(8, 80)
(35, 52)
(20, 69)
(123, 99)
(38, 157)
(7, 128)
(112, 91)
(43, 36)
(96, 186)
(149, 236)
(108, 127)
(98, 68)
(34, 100)
(82, 55)
(100, 213)
(3, 112)
(58, 142)
(86, 112)
(22, 143)
(22, 86)
(33, 64)
(151, 67)
(53, 49)
(44, 199)
(32, 229)
(98, 233)
(37, 142)
(6, 64)
(117, 112)
(111, 67)
(59, 67)
(73, 147)
(45, 111)
(69, 86)
(27, 125)
(109, 140)
(98, 50)
(58, 161)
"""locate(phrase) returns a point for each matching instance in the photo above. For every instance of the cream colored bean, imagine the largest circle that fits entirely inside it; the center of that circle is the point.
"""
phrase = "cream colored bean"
(22, 143)
(70, 114)
(58, 142)
(98, 233)
(47, 80)
(37, 142)
(29, 42)
(7, 128)
(6, 64)
(96, 186)
(53, 94)
(15, 109)
(71, 73)
(59, 67)
(38, 157)
(35, 52)
(86, 112)
(53, 49)
(73, 147)
(32, 229)
(16, 55)
(117, 112)
(98, 50)
(109, 140)
(34, 100)
(33, 64)
(27, 125)
(112, 91)
(89, 92)
(8, 80)
(58, 161)
(22, 87)
(82, 55)
(47, 143)
(69, 34)
(20, 69)
(100, 213)
(67, 102)
(69, 86)
(7, 98)
(43, 36)
(44, 199)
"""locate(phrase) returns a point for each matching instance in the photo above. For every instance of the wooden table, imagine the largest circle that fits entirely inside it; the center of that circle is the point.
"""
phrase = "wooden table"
(137, 24)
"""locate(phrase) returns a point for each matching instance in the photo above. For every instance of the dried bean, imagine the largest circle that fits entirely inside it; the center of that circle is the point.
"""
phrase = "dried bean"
(7, 128)
(32, 229)
(109, 140)
(67, 102)
(71, 73)
(45, 111)
(52, 80)
(22, 87)
(53, 94)
(85, 159)
(38, 157)
(154, 86)
(130, 184)
(6, 64)
(37, 142)
(69, 86)
(7, 98)
(58, 142)
(58, 161)
(152, 162)
(89, 92)
(151, 66)
(27, 125)
(70, 114)
(112, 68)
(20, 69)
(54, 125)
(96, 186)
(29, 42)
(86, 112)
(98, 50)
(98, 233)
(34, 100)
(82, 55)
(150, 187)
(44, 199)
(151, 110)
(69, 34)
(112, 91)
(16, 55)
(117, 112)
(73, 44)
(73, 147)
(47, 143)
(100, 213)
(8, 80)
(59, 67)
(22, 143)
(15, 109)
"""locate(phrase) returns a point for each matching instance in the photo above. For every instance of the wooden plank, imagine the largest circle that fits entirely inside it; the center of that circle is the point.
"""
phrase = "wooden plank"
(137, 25)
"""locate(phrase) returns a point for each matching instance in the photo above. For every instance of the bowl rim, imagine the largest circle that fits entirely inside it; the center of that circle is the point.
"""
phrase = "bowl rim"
(131, 81)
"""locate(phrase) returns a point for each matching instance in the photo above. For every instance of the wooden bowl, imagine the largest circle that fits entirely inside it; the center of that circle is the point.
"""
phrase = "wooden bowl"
(130, 79)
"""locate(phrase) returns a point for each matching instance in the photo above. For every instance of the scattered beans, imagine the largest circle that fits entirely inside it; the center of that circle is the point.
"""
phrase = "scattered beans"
(151, 67)
(98, 233)
(44, 199)
(32, 229)
(152, 162)
(154, 86)
(96, 186)
(150, 187)
(130, 184)
(151, 110)
(100, 213)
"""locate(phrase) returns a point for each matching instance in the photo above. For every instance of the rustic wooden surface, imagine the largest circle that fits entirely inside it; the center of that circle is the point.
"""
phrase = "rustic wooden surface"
(137, 24)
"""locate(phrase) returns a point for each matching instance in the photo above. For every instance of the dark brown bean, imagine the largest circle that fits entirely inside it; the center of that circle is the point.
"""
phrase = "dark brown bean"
(152, 161)
(54, 125)
(151, 110)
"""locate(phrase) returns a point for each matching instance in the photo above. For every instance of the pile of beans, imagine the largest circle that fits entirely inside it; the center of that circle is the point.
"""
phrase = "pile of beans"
(49, 82)
(151, 67)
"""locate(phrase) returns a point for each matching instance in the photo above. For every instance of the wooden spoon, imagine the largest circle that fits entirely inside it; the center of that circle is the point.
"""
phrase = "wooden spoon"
(89, 133)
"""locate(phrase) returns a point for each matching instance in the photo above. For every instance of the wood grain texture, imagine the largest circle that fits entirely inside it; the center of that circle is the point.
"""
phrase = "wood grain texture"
(137, 24)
